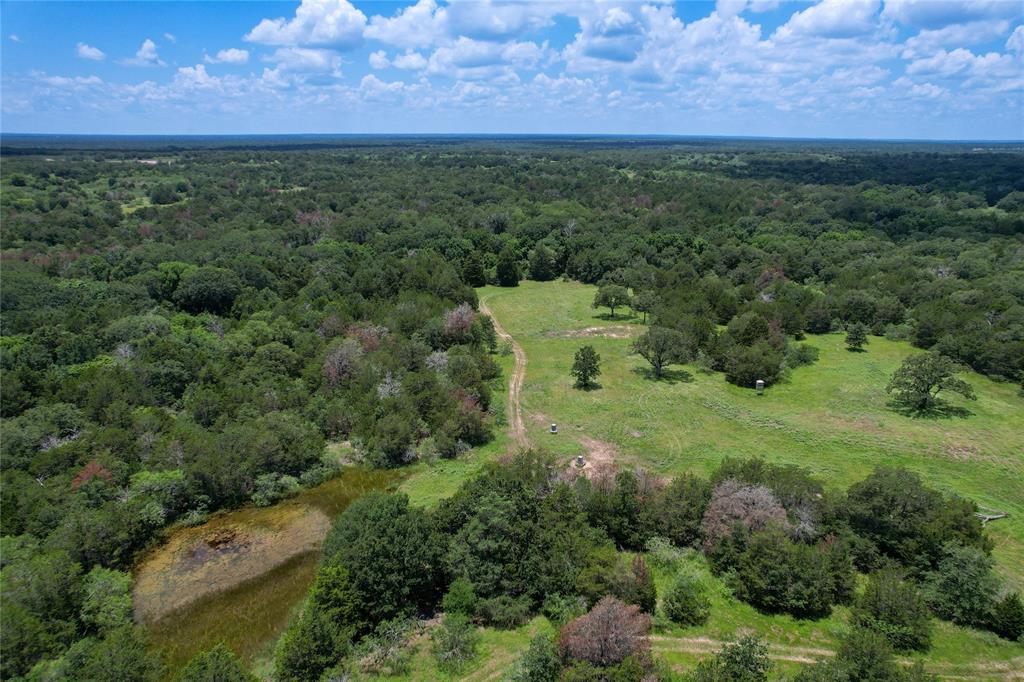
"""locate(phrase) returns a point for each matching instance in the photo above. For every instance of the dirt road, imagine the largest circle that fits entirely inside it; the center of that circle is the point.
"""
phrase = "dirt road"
(514, 408)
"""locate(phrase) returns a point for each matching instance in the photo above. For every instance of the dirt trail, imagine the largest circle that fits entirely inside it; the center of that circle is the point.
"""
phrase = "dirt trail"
(514, 410)
(707, 645)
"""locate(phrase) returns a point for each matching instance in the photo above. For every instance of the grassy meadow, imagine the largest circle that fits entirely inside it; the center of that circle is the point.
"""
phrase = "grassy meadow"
(831, 417)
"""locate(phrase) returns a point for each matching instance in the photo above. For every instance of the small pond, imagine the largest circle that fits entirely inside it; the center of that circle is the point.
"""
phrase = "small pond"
(237, 578)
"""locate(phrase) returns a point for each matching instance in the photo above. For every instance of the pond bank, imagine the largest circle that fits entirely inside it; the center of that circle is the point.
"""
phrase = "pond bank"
(236, 578)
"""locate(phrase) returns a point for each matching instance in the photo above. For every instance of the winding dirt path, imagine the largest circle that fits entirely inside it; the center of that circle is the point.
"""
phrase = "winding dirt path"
(514, 408)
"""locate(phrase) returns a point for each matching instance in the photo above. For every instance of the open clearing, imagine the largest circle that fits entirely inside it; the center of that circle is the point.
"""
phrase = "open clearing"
(830, 417)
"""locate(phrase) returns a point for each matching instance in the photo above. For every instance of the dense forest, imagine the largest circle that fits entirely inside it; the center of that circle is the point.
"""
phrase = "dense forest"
(185, 329)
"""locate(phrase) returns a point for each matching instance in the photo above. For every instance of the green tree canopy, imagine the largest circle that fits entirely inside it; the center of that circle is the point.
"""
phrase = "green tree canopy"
(508, 268)
(586, 366)
(611, 296)
(919, 380)
(661, 347)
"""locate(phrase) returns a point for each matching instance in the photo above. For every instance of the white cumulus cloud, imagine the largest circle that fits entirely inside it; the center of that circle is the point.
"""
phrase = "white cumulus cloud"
(421, 25)
(1016, 41)
(89, 52)
(146, 55)
(323, 23)
(412, 61)
(231, 55)
(833, 19)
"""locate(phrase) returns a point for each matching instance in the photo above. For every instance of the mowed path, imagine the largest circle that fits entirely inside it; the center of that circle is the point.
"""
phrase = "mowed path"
(514, 408)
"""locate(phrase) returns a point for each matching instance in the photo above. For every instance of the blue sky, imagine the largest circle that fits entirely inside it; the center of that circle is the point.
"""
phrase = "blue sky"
(836, 68)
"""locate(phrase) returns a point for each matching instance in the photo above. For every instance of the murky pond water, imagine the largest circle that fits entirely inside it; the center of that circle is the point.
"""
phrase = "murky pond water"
(237, 578)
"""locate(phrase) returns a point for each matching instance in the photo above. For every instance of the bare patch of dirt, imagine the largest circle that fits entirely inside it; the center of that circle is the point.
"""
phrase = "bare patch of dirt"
(220, 554)
(963, 452)
(540, 418)
(615, 331)
(701, 645)
(598, 462)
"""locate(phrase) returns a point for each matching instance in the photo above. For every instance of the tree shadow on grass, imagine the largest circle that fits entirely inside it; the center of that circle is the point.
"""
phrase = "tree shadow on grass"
(592, 386)
(939, 410)
(669, 376)
(621, 317)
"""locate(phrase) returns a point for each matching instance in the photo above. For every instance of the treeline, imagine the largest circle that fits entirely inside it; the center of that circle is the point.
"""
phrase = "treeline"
(526, 537)
(935, 262)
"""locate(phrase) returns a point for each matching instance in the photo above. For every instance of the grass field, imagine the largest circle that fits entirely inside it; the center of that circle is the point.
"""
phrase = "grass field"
(831, 417)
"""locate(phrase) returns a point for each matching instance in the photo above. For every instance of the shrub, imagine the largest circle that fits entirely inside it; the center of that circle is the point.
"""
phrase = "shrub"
(216, 665)
(312, 643)
(386, 651)
(107, 599)
(122, 656)
(460, 597)
(560, 609)
(504, 611)
(269, 488)
(856, 336)
(745, 660)
(866, 655)
(607, 635)
(320, 473)
(632, 669)
(663, 553)
(685, 602)
(611, 573)
(1008, 617)
(744, 365)
(776, 574)
(680, 508)
(455, 642)
(963, 587)
(638, 587)
(863, 655)
(798, 355)
(540, 663)
(892, 607)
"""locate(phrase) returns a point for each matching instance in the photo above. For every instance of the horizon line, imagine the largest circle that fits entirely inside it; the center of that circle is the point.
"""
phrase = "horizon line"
(666, 136)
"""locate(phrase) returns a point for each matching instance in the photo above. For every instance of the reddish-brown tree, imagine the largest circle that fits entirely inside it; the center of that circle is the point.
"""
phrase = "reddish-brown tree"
(752, 506)
(607, 635)
(90, 471)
